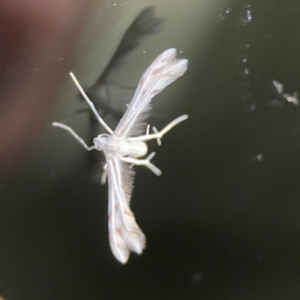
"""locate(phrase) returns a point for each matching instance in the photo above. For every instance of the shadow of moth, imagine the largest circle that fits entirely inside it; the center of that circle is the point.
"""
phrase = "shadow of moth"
(126, 146)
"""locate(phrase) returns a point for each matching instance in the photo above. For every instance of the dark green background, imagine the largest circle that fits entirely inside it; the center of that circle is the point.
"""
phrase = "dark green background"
(220, 224)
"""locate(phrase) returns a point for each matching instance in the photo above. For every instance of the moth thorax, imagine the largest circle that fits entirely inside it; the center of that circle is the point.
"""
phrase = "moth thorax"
(101, 142)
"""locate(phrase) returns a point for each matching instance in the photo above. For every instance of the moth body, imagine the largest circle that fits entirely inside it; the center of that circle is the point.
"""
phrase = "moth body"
(134, 149)
(120, 147)
(125, 147)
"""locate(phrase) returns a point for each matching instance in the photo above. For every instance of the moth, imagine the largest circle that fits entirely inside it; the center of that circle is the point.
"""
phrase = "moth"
(126, 146)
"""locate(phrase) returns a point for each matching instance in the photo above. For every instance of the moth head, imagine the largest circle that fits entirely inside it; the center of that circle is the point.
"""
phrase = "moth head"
(100, 141)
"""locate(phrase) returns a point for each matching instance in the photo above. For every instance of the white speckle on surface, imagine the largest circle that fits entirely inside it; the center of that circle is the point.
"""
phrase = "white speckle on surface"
(278, 86)
(112, 4)
(221, 14)
(34, 70)
(141, 53)
(249, 15)
(251, 107)
(258, 158)
(292, 98)
(245, 46)
(246, 16)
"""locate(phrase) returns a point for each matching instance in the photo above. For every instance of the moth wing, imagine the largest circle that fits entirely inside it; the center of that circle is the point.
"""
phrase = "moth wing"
(125, 236)
(165, 69)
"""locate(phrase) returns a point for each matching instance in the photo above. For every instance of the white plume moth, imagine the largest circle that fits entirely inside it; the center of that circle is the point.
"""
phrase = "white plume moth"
(126, 146)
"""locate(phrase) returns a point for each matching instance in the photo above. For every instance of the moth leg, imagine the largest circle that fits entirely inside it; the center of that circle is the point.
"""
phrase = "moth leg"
(159, 134)
(147, 130)
(143, 162)
(74, 134)
(104, 175)
(156, 132)
(90, 103)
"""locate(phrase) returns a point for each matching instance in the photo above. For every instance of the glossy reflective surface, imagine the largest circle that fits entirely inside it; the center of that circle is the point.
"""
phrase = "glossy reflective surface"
(222, 222)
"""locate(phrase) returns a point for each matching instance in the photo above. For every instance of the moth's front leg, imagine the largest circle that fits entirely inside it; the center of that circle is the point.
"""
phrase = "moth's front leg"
(74, 134)
(143, 162)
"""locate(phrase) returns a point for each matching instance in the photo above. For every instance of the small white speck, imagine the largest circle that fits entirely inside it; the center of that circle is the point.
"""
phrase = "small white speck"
(246, 16)
(245, 46)
(250, 108)
(180, 51)
(142, 52)
(289, 97)
(246, 71)
(260, 157)
(279, 86)
(112, 5)
(249, 15)
(34, 70)
(292, 98)
(245, 60)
